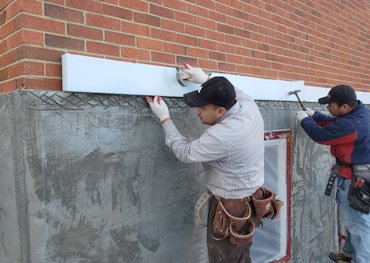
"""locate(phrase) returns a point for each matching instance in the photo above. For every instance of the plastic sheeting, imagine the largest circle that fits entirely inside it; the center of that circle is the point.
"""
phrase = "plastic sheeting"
(271, 241)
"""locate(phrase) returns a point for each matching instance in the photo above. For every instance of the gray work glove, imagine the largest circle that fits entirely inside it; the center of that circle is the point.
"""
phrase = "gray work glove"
(309, 112)
(196, 75)
(159, 108)
(301, 115)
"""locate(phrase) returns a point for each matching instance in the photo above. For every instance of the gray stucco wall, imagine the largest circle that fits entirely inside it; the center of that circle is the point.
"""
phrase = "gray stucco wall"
(88, 178)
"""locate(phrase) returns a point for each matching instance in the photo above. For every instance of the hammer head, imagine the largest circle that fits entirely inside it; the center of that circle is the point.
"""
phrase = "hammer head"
(294, 92)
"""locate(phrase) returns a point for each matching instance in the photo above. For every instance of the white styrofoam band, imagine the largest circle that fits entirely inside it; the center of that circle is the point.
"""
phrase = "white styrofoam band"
(97, 75)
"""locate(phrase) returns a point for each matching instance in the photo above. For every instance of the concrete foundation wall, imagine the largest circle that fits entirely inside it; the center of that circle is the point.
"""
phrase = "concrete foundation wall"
(88, 178)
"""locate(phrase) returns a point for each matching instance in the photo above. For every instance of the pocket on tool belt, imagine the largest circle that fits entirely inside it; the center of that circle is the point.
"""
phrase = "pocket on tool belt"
(233, 219)
(265, 204)
(359, 195)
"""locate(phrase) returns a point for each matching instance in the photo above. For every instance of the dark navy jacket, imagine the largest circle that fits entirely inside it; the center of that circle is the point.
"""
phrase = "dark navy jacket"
(349, 136)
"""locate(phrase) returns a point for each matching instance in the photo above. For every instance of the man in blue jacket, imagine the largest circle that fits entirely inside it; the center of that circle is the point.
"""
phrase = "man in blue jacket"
(347, 131)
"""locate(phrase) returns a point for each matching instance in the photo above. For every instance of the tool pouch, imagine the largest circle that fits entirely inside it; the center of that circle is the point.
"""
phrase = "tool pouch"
(359, 197)
(265, 204)
(233, 219)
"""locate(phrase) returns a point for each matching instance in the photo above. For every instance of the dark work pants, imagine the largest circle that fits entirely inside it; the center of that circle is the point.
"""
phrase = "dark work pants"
(223, 250)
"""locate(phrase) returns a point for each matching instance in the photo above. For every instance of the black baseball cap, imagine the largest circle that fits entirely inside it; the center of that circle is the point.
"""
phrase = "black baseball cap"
(217, 90)
(342, 94)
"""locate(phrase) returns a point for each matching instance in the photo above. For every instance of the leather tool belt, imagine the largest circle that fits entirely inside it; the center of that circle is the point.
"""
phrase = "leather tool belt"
(235, 218)
(359, 192)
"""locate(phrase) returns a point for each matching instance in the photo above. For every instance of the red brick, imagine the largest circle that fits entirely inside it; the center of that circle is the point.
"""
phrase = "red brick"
(26, 68)
(216, 36)
(207, 65)
(3, 47)
(224, 9)
(39, 83)
(206, 23)
(186, 18)
(31, 6)
(88, 5)
(180, 60)
(63, 13)
(217, 56)
(2, 17)
(53, 70)
(149, 44)
(225, 29)
(159, 34)
(173, 26)
(235, 22)
(134, 53)
(7, 29)
(8, 86)
(13, 10)
(196, 10)
(146, 19)
(226, 67)
(32, 37)
(175, 4)
(216, 16)
(161, 11)
(8, 58)
(135, 5)
(234, 59)
(4, 74)
(84, 32)
(42, 24)
(4, 3)
(25, 37)
(102, 48)
(135, 29)
(175, 49)
(187, 40)
(103, 21)
(64, 42)
(195, 31)
(118, 38)
(59, 2)
(241, 14)
(118, 12)
(226, 48)
(163, 57)
(233, 40)
(209, 4)
(24, 52)
(208, 44)
(197, 52)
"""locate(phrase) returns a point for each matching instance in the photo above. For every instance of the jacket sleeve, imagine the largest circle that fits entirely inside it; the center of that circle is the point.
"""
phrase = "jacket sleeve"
(204, 149)
(341, 131)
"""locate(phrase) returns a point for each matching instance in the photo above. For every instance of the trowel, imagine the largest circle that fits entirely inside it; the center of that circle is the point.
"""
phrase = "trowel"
(181, 76)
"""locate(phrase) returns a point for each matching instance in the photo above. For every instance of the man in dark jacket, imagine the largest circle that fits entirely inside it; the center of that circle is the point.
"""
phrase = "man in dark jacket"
(347, 131)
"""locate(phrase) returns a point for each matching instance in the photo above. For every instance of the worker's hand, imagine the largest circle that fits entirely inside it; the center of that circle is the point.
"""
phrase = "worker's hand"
(309, 112)
(301, 115)
(158, 107)
(196, 75)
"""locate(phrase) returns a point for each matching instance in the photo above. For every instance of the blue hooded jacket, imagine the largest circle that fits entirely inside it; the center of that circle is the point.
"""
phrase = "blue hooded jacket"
(348, 136)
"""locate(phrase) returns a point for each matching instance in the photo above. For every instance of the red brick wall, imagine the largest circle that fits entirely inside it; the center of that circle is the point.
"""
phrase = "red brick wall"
(324, 43)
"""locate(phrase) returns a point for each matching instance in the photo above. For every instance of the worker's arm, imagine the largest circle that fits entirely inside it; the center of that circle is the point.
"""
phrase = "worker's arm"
(207, 148)
(339, 132)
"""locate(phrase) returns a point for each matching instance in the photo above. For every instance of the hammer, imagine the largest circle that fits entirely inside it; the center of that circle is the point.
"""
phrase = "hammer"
(295, 92)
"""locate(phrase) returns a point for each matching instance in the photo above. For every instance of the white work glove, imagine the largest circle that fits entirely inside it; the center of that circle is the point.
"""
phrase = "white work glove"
(301, 115)
(196, 75)
(309, 112)
(158, 107)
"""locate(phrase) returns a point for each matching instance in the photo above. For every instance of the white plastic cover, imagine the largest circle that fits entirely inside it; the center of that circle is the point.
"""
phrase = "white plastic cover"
(270, 242)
